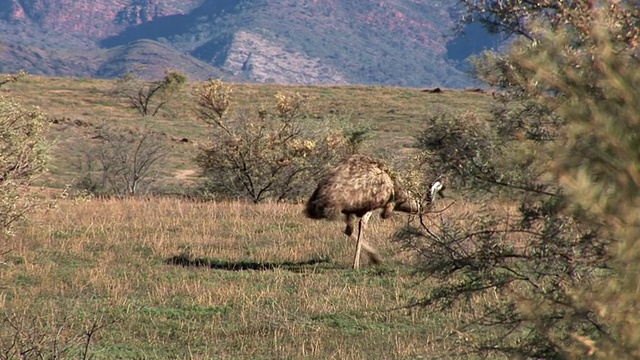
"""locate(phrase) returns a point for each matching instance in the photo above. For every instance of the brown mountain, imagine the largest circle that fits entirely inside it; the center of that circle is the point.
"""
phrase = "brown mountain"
(394, 42)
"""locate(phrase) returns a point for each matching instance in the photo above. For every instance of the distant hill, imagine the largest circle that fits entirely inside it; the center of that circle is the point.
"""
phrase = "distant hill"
(394, 42)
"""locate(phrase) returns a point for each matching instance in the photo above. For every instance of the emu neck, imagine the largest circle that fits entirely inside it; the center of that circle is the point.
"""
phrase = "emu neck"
(407, 206)
(405, 203)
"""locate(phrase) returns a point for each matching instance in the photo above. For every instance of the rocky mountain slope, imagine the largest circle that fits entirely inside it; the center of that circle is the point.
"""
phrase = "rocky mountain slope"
(393, 42)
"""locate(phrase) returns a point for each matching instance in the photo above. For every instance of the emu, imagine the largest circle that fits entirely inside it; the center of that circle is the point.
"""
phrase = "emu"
(356, 188)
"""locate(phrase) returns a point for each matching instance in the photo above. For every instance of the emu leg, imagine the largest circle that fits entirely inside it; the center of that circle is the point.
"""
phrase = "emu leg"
(371, 252)
(360, 244)
(356, 259)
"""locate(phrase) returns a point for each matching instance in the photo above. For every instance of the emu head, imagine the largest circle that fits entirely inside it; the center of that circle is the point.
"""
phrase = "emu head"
(406, 203)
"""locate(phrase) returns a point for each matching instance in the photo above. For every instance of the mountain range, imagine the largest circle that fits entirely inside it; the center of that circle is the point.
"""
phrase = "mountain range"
(392, 42)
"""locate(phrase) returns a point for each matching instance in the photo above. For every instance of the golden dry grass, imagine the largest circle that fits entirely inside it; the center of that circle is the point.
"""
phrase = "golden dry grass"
(87, 260)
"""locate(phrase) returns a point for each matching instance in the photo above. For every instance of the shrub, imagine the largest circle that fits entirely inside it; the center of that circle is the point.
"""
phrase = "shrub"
(270, 155)
(23, 157)
(123, 162)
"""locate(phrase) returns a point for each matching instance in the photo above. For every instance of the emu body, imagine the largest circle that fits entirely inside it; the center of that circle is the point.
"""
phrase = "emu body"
(356, 188)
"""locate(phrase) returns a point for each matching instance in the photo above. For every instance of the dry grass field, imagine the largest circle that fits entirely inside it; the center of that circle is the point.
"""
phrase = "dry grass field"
(166, 278)
(171, 278)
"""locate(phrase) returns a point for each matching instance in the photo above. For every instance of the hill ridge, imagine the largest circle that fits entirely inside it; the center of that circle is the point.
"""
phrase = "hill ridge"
(393, 42)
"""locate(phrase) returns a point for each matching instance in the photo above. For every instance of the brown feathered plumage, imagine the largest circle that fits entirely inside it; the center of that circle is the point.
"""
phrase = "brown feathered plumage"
(355, 188)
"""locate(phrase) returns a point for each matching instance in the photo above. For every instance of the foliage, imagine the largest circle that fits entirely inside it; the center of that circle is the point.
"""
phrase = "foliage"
(469, 139)
(123, 162)
(148, 97)
(507, 152)
(390, 115)
(514, 17)
(267, 155)
(355, 134)
(558, 279)
(23, 157)
(600, 164)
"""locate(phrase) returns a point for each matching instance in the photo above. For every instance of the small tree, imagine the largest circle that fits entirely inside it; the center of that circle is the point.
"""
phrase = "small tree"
(266, 155)
(123, 162)
(148, 97)
(23, 157)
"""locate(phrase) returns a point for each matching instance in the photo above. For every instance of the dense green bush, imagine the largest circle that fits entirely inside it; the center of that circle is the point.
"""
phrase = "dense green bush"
(560, 278)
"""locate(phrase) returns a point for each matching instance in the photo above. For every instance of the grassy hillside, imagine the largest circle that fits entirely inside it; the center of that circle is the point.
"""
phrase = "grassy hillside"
(174, 279)
(77, 105)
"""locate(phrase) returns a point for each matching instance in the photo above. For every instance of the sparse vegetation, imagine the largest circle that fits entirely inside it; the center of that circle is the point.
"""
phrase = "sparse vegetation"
(174, 278)
(122, 162)
(178, 269)
(390, 117)
(29, 336)
(10, 78)
(234, 280)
